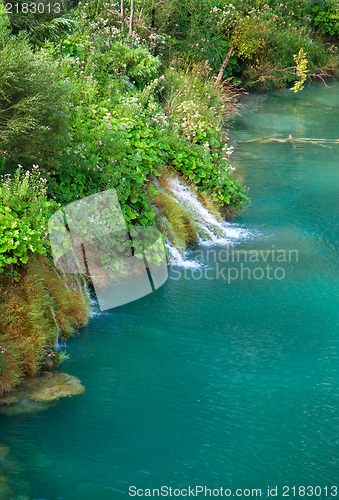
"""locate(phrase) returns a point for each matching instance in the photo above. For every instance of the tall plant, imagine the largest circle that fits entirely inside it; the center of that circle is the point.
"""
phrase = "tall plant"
(33, 105)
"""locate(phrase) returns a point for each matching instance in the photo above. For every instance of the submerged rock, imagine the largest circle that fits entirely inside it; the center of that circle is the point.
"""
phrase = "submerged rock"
(5, 491)
(51, 386)
(9, 399)
(36, 391)
(4, 450)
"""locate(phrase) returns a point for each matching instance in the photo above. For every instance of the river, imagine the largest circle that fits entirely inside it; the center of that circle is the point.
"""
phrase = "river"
(227, 376)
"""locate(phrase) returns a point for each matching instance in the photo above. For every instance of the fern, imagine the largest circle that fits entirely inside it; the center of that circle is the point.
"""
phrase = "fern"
(53, 30)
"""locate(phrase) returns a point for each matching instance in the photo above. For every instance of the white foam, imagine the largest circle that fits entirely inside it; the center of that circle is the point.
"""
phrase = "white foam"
(180, 260)
(211, 231)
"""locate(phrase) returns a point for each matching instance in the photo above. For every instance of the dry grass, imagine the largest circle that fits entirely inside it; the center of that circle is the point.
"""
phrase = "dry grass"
(27, 325)
(181, 229)
(209, 204)
(164, 178)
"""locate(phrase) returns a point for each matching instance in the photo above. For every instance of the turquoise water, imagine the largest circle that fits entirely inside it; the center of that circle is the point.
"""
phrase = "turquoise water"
(212, 381)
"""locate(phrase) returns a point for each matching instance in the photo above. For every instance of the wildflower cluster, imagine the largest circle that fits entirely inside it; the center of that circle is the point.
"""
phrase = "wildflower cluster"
(24, 213)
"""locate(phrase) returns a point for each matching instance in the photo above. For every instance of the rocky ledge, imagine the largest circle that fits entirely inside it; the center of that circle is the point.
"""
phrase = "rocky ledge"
(36, 392)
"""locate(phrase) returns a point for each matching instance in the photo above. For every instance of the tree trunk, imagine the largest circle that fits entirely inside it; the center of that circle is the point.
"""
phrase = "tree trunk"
(122, 5)
(223, 66)
(131, 19)
(153, 16)
(140, 13)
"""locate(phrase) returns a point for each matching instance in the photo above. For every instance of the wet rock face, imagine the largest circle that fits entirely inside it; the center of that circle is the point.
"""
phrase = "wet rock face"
(36, 392)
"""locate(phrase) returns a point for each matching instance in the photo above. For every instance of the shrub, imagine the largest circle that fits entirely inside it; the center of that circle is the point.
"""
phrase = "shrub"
(24, 213)
(32, 106)
(45, 21)
(197, 109)
(326, 19)
(119, 151)
(136, 64)
(250, 38)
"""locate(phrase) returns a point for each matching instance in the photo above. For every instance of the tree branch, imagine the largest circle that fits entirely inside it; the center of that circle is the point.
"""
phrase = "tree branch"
(131, 19)
(223, 66)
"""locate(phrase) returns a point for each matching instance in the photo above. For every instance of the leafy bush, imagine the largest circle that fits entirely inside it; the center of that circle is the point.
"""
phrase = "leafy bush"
(137, 64)
(32, 106)
(41, 20)
(269, 48)
(24, 213)
(119, 151)
(197, 109)
(251, 36)
(326, 20)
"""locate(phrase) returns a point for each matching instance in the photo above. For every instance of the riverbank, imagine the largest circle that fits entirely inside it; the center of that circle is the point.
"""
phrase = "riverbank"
(205, 379)
(139, 113)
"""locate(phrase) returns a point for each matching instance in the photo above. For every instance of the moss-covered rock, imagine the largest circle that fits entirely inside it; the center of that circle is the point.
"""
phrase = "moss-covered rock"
(5, 491)
(50, 386)
(4, 450)
(36, 392)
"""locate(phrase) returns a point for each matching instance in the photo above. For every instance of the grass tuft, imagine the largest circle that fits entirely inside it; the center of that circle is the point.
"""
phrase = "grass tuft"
(28, 328)
(181, 228)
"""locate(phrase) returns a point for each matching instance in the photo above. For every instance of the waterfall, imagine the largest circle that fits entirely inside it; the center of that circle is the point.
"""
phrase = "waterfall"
(66, 272)
(56, 344)
(178, 259)
(93, 304)
(74, 262)
(62, 278)
(210, 230)
(70, 266)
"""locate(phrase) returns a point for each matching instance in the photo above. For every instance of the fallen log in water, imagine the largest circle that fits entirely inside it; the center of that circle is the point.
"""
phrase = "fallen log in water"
(290, 139)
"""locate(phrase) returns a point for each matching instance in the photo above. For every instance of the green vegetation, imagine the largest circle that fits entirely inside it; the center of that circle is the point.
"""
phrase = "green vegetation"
(33, 101)
(326, 18)
(264, 36)
(24, 214)
(88, 103)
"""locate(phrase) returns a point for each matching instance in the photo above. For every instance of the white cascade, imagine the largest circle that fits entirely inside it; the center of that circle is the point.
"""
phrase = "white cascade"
(178, 259)
(211, 231)
(62, 277)
(56, 344)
